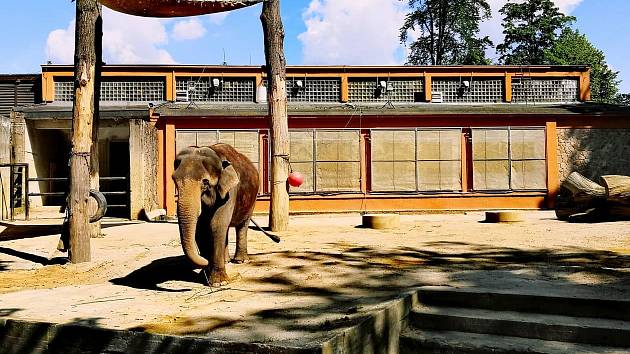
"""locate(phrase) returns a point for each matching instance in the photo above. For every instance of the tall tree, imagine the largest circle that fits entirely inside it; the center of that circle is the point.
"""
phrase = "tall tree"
(86, 83)
(447, 32)
(273, 31)
(531, 27)
(573, 48)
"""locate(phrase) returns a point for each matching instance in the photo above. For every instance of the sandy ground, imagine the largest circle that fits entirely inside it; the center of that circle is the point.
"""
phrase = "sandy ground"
(325, 274)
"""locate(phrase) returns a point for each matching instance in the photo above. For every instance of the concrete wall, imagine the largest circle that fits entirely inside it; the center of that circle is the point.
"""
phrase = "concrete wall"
(143, 166)
(593, 152)
(5, 157)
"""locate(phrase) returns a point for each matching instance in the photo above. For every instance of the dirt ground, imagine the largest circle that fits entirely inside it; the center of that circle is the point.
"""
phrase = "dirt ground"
(324, 274)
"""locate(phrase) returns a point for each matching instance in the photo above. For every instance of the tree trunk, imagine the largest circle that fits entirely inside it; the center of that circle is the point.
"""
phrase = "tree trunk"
(617, 189)
(582, 188)
(278, 118)
(88, 14)
(95, 227)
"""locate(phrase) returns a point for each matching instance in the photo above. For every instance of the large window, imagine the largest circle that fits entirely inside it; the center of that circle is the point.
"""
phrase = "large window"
(244, 141)
(329, 160)
(509, 159)
(416, 160)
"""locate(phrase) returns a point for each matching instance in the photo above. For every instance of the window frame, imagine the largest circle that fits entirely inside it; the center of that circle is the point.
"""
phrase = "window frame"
(315, 161)
(416, 161)
(510, 159)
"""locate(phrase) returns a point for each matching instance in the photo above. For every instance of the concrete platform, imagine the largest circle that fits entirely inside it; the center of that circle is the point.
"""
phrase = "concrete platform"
(328, 287)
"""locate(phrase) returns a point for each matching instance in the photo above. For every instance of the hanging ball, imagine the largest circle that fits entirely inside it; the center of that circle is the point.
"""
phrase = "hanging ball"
(296, 179)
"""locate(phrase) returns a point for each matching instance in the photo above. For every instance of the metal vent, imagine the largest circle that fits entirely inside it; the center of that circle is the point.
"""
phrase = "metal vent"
(397, 90)
(529, 90)
(207, 89)
(469, 90)
(313, 90)
(117, 91)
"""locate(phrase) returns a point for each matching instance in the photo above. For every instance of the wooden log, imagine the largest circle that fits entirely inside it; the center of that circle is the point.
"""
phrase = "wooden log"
(95, 227)
(617, 188)
(582, 188)
(273, 31)
(88, 15)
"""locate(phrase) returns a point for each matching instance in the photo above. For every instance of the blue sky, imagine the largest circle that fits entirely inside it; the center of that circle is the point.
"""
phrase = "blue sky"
(317, 32)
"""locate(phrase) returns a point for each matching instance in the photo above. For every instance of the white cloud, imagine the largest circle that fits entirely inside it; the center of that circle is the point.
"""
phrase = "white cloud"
(188, 30)
(218, 18)
(493, 28)
(126, 39)
(352, 32)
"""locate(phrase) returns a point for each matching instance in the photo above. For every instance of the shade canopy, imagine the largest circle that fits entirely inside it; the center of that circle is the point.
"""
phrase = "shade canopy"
(175, 8)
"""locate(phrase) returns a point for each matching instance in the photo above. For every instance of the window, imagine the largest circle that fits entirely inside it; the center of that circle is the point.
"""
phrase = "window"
(414, 160)
(329, 160)
(244, 141)
(509, 159)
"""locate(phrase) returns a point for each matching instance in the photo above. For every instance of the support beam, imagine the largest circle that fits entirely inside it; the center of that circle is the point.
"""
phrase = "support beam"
(278, 117)
(88, 18)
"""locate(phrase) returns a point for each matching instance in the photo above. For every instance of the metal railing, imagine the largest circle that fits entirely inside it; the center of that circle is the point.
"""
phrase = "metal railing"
(65, 179)
(17, 170)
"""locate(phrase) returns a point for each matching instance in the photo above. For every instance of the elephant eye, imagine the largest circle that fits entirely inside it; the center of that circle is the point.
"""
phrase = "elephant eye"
(205, 184)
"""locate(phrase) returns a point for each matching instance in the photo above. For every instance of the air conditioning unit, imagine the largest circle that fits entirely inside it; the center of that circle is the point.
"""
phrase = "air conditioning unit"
(437, 97)
(182, 96)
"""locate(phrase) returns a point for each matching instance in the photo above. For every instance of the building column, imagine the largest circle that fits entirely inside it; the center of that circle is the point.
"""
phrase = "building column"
(553, 177)
(169, 168)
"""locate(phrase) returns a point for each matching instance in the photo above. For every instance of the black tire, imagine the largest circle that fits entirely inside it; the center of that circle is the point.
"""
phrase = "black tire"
(101, 202)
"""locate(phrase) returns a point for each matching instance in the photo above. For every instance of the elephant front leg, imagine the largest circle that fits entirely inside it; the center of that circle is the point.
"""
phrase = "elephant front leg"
(240, 254)
(216, 272)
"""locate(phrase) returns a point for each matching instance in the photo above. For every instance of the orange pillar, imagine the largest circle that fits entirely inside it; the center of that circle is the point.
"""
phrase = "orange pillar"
(169, 168)
(553, 176)
(508, 88)
(160, 166)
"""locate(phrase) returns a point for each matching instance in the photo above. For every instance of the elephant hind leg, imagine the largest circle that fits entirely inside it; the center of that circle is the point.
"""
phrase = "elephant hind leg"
(240, 255)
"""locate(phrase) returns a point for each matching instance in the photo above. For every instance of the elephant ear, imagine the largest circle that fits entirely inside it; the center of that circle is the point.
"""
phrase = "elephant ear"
(228, 180)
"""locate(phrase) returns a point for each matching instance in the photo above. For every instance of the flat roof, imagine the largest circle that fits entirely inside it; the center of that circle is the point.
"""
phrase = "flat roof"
(135, 110)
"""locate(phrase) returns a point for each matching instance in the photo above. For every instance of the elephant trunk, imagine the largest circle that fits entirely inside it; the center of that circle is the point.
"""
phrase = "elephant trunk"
(188, 209)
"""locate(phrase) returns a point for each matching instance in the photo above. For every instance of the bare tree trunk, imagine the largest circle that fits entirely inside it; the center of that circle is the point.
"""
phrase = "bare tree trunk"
(278, 117)
(617, 188)
(88, 14)
(95, 227)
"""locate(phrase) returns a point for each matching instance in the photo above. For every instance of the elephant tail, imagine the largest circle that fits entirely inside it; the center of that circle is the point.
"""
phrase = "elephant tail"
(273, 237)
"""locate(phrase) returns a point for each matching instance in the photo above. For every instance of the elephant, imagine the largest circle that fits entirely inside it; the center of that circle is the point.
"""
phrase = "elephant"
(217, 189)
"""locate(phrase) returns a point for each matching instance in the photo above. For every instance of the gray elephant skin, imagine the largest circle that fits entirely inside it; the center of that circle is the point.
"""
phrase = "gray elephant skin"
(217, 188)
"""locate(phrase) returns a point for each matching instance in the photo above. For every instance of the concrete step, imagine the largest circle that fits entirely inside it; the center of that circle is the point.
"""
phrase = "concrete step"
(414, 341)
(597, 331)
(564, 302)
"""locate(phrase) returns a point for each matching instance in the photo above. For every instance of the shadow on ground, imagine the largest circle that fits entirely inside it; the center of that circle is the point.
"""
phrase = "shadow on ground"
(345, 283)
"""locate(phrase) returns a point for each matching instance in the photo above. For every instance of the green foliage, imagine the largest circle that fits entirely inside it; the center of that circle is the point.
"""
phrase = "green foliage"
(531, 28)
(623, 99)
(573, 48)
(447, 32)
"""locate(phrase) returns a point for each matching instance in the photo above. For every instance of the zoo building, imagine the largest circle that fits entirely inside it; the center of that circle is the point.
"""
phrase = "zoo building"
(401, 138)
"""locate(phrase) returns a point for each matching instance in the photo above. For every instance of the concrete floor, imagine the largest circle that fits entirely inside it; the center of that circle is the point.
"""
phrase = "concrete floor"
(325, 276)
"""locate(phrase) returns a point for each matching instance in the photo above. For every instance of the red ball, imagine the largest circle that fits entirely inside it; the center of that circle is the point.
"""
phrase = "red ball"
(296, 179)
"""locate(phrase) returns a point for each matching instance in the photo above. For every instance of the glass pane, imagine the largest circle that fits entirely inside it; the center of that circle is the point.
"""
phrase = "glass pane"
(490, 175)
(450, 145)
(404, 145)
(349, 149)
(207, 138)
(246, 142)
(382, 145)
(327, 146)
(338, 176)
(404, 176)
(301, 146)
(527, 144)
(306, 169)
(428, 175)
(428, 145)
(184, 140)
(490, 144)
(528, 175)
(450, 176)
(383, 176)
(338, 145)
